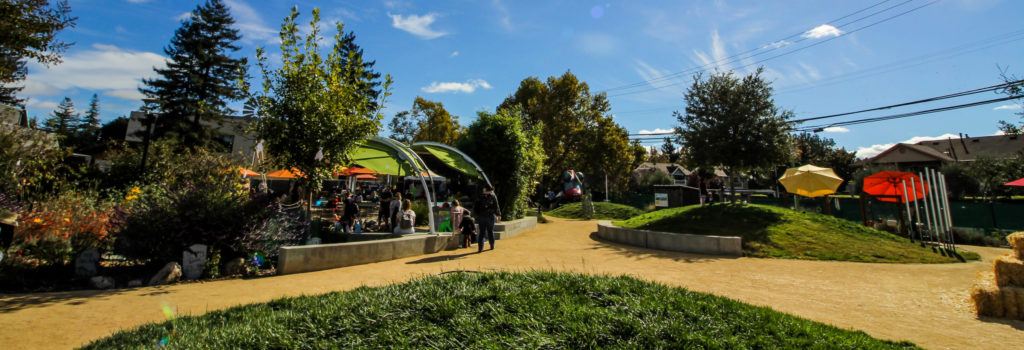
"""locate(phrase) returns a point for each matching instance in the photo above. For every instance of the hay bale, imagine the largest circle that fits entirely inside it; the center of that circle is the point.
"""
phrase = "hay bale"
(1009, 271)
(1016, 240)
(1011, 308)
(988, 301)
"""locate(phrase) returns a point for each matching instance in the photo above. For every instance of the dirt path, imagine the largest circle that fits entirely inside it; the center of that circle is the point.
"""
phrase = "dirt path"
(926, 304)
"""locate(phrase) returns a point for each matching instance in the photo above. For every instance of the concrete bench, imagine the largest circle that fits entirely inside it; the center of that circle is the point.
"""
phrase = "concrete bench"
(676, 242)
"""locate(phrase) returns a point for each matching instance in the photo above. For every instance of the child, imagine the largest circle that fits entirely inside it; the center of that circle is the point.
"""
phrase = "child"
(467, 227)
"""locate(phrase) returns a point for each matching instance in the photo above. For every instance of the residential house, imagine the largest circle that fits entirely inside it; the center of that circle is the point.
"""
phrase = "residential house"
(935, 153)
(232, 133)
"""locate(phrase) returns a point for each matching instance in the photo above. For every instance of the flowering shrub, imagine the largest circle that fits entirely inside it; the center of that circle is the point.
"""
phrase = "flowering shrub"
(51, 230)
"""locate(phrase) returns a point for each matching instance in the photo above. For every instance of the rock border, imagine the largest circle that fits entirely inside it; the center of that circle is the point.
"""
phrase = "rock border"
(676, 242)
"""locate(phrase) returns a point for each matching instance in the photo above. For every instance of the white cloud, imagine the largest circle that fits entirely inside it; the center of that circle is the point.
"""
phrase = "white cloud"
(454, 53)
(451, 86)
(46, 105)
(874, 150)
(251, 24)
(777, 45)
(1010, 107)
(596, 43)
(655, 131)
(183, 16)
(822, 31)
(836, 129)
(102, 68)
(417, 25)
(718, 56)
(503, 16)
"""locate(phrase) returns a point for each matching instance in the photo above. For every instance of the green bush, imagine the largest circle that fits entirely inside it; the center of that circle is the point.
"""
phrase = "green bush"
(200, 199)
(510, 154)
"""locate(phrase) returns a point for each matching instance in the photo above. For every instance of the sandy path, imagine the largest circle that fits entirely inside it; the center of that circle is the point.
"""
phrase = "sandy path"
(926, 304)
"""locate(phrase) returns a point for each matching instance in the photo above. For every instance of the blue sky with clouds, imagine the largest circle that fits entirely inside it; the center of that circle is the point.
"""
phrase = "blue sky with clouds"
(470, 55)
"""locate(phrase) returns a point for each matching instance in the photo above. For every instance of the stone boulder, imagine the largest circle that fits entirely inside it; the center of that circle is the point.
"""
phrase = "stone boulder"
(169, 274)
(87, 263)
(193, 261)
(234, 267)
(102, 282)
(135, 283)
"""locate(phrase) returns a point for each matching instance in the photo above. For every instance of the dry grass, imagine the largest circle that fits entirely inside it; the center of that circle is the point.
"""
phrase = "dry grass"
(1009, 271)
(1016, 240)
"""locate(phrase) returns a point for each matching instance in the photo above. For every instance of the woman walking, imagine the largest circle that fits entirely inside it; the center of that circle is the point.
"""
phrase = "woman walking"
(487, 212)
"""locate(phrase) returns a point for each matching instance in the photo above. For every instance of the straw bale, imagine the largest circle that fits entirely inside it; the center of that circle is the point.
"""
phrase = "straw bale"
(1009, 271)
(1016, 240)
(986, 297)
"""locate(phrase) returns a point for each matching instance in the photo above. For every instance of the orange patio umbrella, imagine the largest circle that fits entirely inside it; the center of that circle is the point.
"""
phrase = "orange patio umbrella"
(888, 186)
(247, 173)
(292, 173)
(355, 170)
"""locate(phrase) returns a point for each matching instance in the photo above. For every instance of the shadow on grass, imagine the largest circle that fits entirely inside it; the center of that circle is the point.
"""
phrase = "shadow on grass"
(441, 258)
(640, 252)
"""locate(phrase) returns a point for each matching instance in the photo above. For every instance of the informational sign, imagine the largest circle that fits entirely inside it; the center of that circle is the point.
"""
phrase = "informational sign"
(660, 199)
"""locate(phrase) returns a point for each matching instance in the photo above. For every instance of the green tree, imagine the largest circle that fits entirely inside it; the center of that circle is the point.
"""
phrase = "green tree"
(426, 121)
(732, 122)
(63, 121)
(813, 149)
(669, 149)
(1015, 88)
(308, 106)
(639, 153)
(29, 30)
(30, 163)
(88, 131)
(511, 155)
(571, 120)
(201, 76)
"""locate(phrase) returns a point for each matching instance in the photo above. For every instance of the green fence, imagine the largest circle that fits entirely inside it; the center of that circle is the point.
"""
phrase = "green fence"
(978, 215)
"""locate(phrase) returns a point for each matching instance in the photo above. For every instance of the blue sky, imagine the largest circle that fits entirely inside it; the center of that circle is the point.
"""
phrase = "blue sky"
(470, 55)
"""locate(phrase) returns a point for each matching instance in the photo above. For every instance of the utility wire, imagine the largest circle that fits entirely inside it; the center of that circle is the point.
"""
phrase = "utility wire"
(794, 50)
(997, 40)
(771, 47)
(817, 128)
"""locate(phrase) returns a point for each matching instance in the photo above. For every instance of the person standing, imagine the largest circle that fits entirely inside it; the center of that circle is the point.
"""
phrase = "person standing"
(487, 212)
(395, 209)
(406, 220)
(384, 214)
(350, 213)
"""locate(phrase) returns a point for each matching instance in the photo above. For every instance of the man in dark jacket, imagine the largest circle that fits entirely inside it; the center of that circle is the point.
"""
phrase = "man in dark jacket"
(487, 214)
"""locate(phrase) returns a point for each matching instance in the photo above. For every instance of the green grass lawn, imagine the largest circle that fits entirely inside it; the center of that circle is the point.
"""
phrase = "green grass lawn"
(496, 311)
(602, 211)
(775, 232)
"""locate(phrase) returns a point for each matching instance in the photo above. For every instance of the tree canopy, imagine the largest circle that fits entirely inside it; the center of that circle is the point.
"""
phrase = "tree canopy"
(813, 149)
(29, 32)
(576, 129)
(510, 152)
(426, 121)
(732, 122)
(313, 109)
(201, 76)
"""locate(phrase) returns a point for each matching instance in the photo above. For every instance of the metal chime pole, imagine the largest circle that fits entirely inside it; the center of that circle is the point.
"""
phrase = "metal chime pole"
(917, 210)
(949, 212)
(906, 204)
(927, 210)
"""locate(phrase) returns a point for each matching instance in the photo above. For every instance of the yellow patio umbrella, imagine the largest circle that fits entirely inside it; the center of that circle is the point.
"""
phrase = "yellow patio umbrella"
(810, 181)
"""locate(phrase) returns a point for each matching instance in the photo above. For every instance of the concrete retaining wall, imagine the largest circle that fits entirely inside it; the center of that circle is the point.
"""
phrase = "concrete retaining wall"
(677, 242)
(316, 257)
(509, 229)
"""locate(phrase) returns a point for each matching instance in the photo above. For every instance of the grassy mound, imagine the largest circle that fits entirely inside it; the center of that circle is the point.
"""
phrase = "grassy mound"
(602, 210)
(783, 233)
(500, 310)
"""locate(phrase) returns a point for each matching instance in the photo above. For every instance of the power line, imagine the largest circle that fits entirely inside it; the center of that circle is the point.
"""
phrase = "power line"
(771, 47)
(926, 100)
(943, 54)
(794, 50)
(817, 128)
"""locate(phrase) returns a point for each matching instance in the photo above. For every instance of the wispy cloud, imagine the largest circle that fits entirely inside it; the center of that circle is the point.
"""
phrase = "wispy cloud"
(183, 16)
(717, 58)
(503, 15)
(874, 150)
(105, 68)
(824, 30)
(251, 24)
(468, 87)
(417, 25)
(1009, 107)
(454, 54)
(837, 129)
(655, 131)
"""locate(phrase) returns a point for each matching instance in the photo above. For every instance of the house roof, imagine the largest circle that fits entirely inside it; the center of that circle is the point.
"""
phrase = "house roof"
(671, 168)
(952, 150)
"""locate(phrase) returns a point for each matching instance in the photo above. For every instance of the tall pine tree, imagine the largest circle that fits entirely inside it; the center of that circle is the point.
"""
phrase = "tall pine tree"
(201, 77)
(90, 127)
(29, 32)
(64, 120)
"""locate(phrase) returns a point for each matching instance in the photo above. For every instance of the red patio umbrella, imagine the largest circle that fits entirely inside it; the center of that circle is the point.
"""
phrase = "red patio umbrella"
(888, 186)
(1015, 183)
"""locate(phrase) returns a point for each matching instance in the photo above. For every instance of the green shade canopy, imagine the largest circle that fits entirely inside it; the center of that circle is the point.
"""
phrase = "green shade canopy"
(385, 158)
(451, 158)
